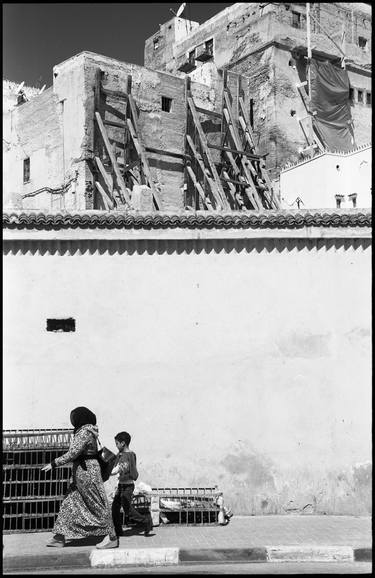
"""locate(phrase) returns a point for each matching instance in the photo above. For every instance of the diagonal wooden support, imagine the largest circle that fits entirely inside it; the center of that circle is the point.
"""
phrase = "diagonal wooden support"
(247, 129)
(108, 203)
(198, 186)
(274, 203)
(200, 162)
(113, 192)
(120, 181)
(256, 201)
(240, 177)
(235, 195)
(219, 192)
(135, 134)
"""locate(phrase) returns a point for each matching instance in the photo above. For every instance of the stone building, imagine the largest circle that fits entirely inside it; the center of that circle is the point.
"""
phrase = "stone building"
(267, 44)
(256, 51)
(330, 179)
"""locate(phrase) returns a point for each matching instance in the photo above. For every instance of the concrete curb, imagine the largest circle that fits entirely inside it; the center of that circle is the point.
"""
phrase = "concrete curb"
(122, 557)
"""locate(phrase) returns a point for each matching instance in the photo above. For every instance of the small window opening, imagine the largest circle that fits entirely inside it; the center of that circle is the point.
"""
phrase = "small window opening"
(209, 47)
(351, 94)
(360, 96)
(166, 104)
(61, 325)
(368, 98)
(296, 19)
(26, 170)
(156, 43)
(192, 57)
(252, 112)
(362, 42)
(353, 199)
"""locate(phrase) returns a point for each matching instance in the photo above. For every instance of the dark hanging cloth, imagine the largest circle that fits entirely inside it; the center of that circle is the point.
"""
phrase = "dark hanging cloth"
(81, 416)
(330, 99)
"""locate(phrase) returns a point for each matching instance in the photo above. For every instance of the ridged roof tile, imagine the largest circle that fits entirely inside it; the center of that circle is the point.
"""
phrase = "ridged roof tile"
(188, 220)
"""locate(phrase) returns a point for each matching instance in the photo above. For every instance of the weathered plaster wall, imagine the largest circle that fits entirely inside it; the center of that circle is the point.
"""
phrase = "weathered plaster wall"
(10, 89)
(317, 181)
(242, 35)
(56, 129)
(361, 111)
(33, 130)
(160, 130)
(245, 26)
(241, 363)
(159, 47)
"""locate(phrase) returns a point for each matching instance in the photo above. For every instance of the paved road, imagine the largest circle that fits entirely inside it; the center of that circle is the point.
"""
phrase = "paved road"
(253, 568)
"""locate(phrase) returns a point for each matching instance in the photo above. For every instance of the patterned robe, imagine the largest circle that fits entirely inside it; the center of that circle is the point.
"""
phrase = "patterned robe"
(85, 510)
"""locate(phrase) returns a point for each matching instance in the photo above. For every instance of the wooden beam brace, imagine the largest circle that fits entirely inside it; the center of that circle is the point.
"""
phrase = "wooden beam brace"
(145, 166)
(130, 166)
(304, 132)
(106, 200)
(114, 93)
(203, 168)
(115, 124)
(206, 201)
(237, 172)
(197, 156)
(200, 161)
(219, 193)
(254, 197)
(235, 151)
(208, 112)
(245, 116)
(249, 135)
(240, 183)
(120, 181)
(235, 195)
(105, 175)
(167, 153)
(135, 133)
(247, 166)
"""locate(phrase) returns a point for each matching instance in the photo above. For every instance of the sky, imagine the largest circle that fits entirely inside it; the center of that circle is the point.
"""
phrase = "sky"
(37, 36)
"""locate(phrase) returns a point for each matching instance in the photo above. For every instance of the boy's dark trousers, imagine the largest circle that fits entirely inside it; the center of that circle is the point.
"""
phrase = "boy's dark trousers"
(123, 497)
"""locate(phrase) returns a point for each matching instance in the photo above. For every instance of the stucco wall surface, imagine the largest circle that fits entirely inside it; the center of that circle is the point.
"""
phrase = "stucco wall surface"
(245, 365)
(317, 181)
(33, 130)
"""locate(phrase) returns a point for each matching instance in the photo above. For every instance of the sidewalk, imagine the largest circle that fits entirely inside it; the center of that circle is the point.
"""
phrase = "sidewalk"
(257, 538)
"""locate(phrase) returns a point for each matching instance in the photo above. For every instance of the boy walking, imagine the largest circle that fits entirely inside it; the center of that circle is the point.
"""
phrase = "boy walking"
(126, 466)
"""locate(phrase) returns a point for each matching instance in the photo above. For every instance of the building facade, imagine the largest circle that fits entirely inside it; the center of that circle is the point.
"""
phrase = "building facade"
(267, 44)
(341, 180)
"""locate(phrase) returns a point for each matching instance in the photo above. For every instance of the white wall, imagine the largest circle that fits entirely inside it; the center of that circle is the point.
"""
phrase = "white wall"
(317, 181)
(248, 367)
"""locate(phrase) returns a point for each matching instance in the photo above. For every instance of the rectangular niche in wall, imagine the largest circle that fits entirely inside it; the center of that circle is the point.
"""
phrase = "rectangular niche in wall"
(61, 325)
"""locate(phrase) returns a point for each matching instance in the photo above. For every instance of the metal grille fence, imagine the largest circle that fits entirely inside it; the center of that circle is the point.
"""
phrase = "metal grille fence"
(32, 498)
(188, 505)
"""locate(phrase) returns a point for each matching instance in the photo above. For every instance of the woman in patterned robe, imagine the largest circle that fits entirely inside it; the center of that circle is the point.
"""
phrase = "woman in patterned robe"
(85, 510)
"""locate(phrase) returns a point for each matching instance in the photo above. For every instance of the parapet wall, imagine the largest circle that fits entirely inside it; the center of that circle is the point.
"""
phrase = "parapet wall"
(243, 362)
